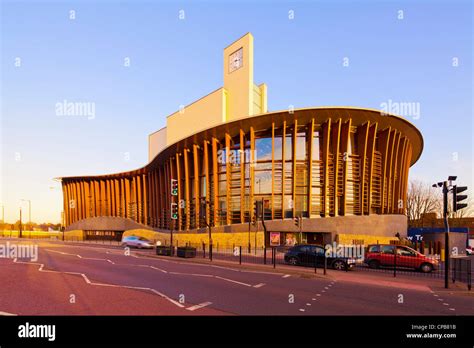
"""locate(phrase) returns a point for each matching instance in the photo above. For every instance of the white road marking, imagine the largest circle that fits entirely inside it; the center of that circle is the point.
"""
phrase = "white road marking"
(318, 294)
(198, 306)
(446, 304)
(313, 299)
(286, 276)
(162, 270)
(302, 309)
(8, 314)
(326, 288)
(41, 269)
(435, 295)
(308, 304)
(232, 281)
(452, 309)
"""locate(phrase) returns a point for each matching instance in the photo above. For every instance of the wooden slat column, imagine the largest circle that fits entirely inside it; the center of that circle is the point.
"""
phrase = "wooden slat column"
(283, 149)
(208, 187)
(252, 172)
(187, 204)
(273, 170)
(345, 141)
(370, 153)
(215, 180)
(242, 175)
(310, 141)
(228, 172)
(362, 139)
(293, 166)
(197, 197)
(326, 131)
(335, 144)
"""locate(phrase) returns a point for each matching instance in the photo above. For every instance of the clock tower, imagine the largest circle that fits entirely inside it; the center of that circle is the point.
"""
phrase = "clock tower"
(244, 98)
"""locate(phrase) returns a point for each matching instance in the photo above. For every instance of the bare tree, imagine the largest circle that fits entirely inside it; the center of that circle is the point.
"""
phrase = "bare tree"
(421, 199)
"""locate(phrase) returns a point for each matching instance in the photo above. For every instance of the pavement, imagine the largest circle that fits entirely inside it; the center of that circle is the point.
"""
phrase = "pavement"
(81, 279)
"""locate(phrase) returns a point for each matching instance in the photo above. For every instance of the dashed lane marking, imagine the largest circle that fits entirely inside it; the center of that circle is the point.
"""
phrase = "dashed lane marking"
(286, 276)
(259, 285)
(8, 314)
(198, 306)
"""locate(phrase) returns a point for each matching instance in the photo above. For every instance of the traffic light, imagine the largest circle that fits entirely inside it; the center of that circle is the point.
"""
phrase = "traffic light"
(174, 187)
(458, 198)
(203, 211)
(297, 221)
(258, 209)
(174, 211)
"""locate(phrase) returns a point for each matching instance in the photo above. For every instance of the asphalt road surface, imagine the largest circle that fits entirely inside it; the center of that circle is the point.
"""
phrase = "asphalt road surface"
(104, 280)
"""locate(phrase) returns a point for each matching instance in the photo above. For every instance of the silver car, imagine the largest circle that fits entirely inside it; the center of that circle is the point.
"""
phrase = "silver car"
(137, 242)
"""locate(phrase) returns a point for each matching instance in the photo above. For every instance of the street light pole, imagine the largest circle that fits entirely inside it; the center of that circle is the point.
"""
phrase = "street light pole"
(29, 210)
(20, 227)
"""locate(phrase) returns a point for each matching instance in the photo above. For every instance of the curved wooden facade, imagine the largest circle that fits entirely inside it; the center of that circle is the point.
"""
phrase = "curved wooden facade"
(314, 162)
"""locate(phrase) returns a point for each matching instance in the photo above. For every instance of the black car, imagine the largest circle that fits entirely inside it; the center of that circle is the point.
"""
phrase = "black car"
(307, 255)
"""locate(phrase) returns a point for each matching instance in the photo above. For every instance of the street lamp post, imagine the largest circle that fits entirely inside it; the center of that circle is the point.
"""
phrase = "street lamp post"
(29, 210)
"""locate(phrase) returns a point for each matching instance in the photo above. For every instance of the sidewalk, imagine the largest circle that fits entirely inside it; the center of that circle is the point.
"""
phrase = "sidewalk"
(373, 278)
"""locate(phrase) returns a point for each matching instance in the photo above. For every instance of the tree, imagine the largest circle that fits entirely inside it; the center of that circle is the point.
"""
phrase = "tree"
(421, 199)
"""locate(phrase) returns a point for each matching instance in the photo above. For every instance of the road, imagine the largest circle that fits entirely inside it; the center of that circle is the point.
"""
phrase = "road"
(102, 280)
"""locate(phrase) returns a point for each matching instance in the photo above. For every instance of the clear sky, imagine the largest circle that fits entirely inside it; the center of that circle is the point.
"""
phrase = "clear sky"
(422, 55)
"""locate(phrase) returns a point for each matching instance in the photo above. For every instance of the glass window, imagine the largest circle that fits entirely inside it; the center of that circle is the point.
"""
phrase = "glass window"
(388, 249)
(263, 148)
(301, 147)
(405, 252)
(278, 148)
(318, 250)
(288, 148)
(316, 155)
(263, 182)
(374, 249)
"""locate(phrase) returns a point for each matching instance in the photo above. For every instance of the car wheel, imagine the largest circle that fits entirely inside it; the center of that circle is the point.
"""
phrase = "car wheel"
(293, 261)
(374, 264)
(426, 268)
(339, 265)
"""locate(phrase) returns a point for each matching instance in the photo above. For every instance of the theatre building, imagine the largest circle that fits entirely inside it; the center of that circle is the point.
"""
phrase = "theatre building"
(343, 170)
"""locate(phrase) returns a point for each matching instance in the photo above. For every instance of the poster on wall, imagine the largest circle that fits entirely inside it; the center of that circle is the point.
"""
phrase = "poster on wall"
(274, 238)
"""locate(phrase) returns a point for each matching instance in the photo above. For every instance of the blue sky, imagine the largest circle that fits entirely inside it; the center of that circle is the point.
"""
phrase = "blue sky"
(174, 62)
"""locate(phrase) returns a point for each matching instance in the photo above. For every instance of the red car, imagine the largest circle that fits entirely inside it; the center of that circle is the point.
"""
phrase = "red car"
(380, 255)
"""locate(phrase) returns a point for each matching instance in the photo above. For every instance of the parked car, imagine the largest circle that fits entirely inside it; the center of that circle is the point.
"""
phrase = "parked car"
(382, 255)
(306, 254)
(137, 242)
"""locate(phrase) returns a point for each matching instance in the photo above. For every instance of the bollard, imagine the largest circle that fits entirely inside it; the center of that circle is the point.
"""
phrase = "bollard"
(240, 255)
(210, 251)
(395, 262)
(264, 255)
(274, 257)
(325, 263)
(204, 250)
(315, 264)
